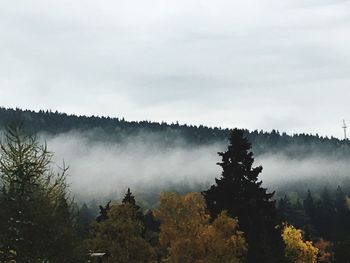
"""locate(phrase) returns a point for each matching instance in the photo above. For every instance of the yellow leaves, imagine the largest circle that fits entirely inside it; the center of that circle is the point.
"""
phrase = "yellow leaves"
(222, 241)
(297, 250)
(188, 235)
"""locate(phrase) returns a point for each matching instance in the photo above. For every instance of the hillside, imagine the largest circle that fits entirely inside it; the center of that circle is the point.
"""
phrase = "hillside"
(117, 129)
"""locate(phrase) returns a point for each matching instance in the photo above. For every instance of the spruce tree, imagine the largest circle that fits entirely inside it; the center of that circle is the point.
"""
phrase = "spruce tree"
(129, 198)
(239, 192)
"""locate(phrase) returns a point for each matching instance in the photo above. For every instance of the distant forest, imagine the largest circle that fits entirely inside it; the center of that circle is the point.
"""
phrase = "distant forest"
(117, 129)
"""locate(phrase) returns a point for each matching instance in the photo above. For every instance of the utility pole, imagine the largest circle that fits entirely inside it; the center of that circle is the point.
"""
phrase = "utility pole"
(344, 127)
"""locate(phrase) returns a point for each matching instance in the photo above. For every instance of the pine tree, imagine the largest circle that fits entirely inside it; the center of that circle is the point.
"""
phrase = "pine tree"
(239, 192)
(129, 198)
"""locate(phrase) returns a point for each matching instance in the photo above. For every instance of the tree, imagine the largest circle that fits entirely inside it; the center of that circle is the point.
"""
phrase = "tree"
(239, 192)
(324, 251)
(297, 250)
(37, 219)
(187, 235)
(129, 198)
(103, 212)
(121, 235)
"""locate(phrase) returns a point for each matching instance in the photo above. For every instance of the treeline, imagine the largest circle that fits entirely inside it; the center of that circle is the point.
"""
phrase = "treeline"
(118, 129)
(234, 220)
(325, 218)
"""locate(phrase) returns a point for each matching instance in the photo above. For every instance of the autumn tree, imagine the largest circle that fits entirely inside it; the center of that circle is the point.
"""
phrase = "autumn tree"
(239, 192)
(37, 219)
(188, 236)
(297, 250)
(324, 251)
(120, 233)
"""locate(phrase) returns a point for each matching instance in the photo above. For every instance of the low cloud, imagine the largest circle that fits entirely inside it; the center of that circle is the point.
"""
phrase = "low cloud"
(101, 169)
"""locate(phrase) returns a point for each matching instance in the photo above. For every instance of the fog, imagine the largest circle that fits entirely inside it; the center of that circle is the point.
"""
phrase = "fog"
(103, 169)
(100, 169)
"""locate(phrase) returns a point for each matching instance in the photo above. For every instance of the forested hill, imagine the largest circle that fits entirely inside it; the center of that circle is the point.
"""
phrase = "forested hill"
(116, 129)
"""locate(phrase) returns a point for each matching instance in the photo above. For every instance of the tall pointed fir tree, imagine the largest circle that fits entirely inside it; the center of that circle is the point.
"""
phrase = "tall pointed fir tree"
(239, 192)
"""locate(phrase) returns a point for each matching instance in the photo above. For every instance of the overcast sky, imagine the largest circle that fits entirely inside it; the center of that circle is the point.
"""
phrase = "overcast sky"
(247, 63)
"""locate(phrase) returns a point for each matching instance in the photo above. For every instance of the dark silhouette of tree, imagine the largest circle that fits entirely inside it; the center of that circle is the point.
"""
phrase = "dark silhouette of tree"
(103, 212)
(85, 217)
(325, 215)
(310, 213)
(129, 198)
(239, 192)
(309, 205)
(285, 209)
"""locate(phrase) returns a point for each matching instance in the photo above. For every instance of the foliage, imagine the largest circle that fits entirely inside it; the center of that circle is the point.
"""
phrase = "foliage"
(37, 219)
(238, 191)
(188, 236)
(324, 251)
(297, 250)
(121, 235)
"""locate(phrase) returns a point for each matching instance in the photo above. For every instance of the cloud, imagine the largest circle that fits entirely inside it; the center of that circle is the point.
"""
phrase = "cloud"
(243, 63)
(100, 169)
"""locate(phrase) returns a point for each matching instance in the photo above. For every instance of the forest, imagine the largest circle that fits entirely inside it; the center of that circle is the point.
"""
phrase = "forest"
(234, 219)
(117, 129)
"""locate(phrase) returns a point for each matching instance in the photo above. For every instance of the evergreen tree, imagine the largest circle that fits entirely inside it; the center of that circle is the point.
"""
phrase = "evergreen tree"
(37, 221)
(103, 212)
(285, 208)
(239, 192)
(85, 217)
(309, 205)
(341, 229)
(129, 198)
(325, 212)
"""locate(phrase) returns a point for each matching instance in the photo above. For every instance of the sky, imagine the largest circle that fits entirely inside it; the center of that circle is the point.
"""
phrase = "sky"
(252, 64)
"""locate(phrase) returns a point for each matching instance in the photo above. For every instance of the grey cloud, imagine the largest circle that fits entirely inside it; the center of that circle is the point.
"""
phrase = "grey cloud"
(258, 62)
(99, 170)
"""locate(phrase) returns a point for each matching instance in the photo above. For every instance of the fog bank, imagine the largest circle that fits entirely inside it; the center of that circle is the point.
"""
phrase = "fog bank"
(99, 169)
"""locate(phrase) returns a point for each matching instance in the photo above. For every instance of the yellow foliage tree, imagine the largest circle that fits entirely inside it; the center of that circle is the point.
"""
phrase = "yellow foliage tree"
(188, 236)
(297, 250)
(121, 235)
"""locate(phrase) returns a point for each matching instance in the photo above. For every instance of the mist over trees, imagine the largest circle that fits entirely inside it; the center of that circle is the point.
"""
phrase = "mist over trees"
(236, 219)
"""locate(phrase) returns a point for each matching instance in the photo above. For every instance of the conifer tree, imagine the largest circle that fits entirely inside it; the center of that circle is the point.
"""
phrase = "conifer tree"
(37, 221)
(103, 212)
(129, 198)
(239, 192)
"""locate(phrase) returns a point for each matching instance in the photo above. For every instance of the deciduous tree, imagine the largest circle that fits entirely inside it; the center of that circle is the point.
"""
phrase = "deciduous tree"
(297, 250)
(188, 236)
